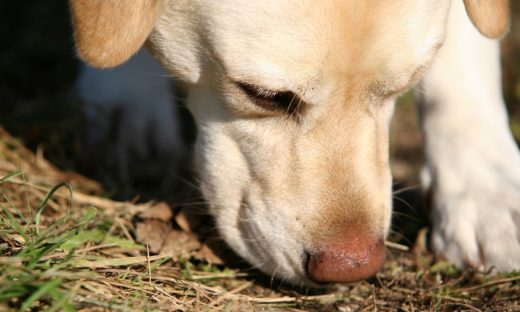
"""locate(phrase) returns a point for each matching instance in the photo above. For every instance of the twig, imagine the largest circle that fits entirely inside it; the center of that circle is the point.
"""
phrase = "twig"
(396, 246)
(63, 254)
(492, 283)
(463, 305)
(149, 265)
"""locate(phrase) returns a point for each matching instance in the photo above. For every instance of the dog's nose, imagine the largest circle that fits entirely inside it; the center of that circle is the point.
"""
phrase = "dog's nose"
(348, 260)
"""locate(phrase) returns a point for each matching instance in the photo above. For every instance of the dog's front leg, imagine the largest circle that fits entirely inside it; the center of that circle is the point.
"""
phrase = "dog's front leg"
(472, 162)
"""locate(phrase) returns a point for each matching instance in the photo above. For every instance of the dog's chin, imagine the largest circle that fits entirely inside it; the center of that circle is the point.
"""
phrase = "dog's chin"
(280, 265)
(278, 255)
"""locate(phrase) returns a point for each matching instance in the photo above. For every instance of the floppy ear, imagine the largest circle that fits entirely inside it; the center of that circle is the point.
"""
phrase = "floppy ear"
(109, 32)
(491, 17)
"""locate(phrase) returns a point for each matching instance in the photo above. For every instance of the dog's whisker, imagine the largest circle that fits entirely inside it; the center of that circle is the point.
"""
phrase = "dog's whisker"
(407, 216)
(407, 205)
(273, 276)
(406, 189)
(192, 204)
(399, 233)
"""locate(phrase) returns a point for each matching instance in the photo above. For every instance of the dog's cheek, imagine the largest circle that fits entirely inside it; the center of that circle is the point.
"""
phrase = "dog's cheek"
(226, 185)
(221, 169)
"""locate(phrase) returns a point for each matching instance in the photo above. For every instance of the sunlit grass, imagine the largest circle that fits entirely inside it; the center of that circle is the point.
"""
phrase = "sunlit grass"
(63, 250)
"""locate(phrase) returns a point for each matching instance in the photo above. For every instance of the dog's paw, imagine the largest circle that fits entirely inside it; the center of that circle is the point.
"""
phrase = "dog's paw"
(476, 215)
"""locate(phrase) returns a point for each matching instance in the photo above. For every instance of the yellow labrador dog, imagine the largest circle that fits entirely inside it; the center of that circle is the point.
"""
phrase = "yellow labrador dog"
(293, 99)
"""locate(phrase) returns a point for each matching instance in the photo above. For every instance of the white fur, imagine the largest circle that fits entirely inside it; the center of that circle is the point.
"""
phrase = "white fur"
(281, 186)
(472, 162)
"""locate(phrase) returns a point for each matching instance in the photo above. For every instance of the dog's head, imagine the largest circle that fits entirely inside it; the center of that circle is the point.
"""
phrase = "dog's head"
(292, 100)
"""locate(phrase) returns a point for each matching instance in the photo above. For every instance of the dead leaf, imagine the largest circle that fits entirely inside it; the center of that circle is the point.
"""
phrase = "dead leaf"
(423, 258)
(207, 254)
(190, 221)
(152, 232)
(180, 244)
(160, 211)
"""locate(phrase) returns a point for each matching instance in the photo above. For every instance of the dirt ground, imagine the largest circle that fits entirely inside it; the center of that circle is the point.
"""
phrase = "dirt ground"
(43, 139)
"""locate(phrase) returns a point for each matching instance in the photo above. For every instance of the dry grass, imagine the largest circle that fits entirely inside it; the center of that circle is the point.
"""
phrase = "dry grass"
(64, 248)
(80, 252)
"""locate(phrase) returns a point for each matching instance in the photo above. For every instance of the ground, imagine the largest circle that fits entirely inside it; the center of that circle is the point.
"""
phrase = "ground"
(65, 244)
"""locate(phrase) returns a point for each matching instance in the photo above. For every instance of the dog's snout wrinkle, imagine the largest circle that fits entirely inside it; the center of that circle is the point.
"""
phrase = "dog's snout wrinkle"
(350, 259)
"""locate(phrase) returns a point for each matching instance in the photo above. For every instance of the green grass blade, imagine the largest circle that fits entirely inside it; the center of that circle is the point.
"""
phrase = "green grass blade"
(40, 292)
(37, 253)
(13, 291)
(10, 176)
(104, 263)
(82, 238)
(26, 191)
(15, 224)
(43, 205)
(61, 301)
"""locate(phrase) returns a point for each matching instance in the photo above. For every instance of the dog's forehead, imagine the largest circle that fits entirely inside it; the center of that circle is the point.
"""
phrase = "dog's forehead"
(283, 43)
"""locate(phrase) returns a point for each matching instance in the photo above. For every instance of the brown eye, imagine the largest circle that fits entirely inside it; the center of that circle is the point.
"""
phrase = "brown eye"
(282, 101)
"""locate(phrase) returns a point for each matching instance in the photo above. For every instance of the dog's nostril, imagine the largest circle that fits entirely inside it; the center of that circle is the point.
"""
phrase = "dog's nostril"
(346, 261)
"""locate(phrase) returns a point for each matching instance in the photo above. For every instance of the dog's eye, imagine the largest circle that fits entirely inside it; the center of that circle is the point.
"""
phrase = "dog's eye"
(283, 101)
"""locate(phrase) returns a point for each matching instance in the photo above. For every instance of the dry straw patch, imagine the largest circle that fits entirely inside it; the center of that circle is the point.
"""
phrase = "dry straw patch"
(63, 247)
